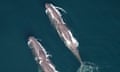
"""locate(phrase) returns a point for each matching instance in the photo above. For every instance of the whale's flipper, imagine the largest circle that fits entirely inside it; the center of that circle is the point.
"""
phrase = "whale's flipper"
(61, 9)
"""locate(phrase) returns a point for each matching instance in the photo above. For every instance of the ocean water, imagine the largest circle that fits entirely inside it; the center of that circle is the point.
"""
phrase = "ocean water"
(95, 24)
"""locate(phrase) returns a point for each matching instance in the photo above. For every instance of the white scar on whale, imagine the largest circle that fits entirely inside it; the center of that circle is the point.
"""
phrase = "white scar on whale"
(41, 56)
(63, 31)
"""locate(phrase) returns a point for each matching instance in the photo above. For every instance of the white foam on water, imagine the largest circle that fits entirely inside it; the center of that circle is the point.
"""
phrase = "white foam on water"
(88, 67)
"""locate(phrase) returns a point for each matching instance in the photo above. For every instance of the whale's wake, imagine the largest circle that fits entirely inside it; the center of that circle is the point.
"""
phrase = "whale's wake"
(88, 67)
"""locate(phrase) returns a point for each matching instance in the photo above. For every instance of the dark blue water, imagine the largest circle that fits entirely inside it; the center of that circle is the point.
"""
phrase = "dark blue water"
(96, 25)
